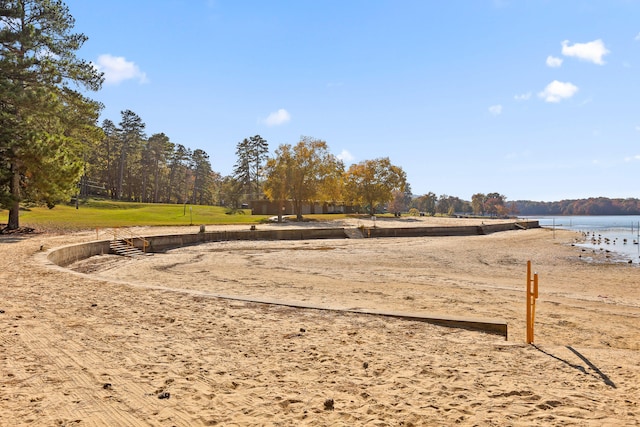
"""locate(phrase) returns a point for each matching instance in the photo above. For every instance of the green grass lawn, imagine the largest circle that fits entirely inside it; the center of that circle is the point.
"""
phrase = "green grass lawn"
(99, 214)
(93, 214)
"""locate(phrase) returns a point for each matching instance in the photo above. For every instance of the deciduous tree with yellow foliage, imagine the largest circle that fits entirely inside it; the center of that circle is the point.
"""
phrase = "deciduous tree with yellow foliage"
(371, 183)
(301, 173)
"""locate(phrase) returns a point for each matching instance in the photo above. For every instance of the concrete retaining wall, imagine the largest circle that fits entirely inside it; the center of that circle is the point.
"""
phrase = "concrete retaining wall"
(66, 255)
(464, 230)
(162, 243)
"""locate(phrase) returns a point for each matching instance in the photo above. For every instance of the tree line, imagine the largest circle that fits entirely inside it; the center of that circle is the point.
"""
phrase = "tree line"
(126, 165)
(156, 170)
(491, 204)
(589, 206)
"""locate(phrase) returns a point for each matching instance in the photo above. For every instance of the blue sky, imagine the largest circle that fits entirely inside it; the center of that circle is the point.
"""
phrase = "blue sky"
(535, 100)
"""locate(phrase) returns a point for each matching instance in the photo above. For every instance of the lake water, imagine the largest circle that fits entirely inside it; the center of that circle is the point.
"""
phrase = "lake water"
(617, 233)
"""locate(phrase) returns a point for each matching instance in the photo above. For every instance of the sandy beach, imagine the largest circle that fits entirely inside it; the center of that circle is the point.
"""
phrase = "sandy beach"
(148, 342)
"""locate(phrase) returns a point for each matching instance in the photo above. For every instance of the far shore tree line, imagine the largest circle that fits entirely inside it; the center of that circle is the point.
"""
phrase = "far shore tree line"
(52, 148)
(589, 206)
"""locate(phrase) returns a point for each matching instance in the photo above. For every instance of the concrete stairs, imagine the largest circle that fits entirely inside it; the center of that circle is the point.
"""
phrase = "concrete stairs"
(121, 247)
(354, 233)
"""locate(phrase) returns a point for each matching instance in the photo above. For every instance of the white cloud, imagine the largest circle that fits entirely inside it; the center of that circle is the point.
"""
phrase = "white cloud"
(638, 128)
(345, 156)
(553, 62)
(590, 51)
(116, 69)
(632, 158)
(557, 91)
(637, 37)
(522, 97)
(277, 118)
(495, 110)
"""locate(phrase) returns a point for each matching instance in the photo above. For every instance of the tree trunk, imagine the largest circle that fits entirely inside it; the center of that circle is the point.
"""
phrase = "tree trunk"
(121, 174)
(14, 212)
(280, 210)
(297, 204)
(156, 181)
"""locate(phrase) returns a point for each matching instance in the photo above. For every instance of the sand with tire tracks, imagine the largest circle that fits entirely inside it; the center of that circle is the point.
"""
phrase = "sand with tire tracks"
(147, 342)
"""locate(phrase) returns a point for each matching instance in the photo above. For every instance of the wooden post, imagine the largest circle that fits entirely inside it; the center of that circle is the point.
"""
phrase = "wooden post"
(532, 295)
(529, 337)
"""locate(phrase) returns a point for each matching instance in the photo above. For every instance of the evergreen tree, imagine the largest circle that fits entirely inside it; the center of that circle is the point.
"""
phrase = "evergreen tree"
(102, 161)
(242, 168)
(178, 190)
(158, 150)
(131, 141)
(45, 124)
(252, 154)
(202, 177)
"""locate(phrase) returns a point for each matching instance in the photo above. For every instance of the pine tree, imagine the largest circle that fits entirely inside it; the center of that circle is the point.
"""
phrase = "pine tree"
(132, 139)
(252, 154)
(45, 124)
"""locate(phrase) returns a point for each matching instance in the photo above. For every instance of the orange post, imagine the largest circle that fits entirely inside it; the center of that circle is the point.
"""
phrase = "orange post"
(532, 295)
(529, 337)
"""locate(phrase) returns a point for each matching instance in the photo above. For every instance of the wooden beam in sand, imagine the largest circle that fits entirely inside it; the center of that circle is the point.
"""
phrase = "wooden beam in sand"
(489, 326)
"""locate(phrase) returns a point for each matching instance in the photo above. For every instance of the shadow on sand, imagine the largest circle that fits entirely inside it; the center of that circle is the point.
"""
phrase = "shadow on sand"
(600, 375)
